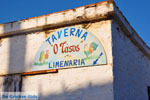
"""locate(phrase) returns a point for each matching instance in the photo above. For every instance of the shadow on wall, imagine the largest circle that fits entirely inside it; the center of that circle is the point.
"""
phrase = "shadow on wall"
(129, 68)
(17, 52)
(13, 83)
(89, 92)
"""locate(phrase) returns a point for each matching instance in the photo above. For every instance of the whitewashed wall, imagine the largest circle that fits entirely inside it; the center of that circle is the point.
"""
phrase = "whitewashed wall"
(19, 42)
(131, 68)
(87, 83)
(17, 52)
(125, 76)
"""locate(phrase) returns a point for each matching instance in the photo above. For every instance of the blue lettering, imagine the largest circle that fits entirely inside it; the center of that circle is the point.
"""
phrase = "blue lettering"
(78, 33)
(57, 64)
(79, 62)
(59, 34)
(4, 96)
(50, 65)
(61, 63)
(11, 96)
(53, 38)
(71, 31)
(66, 63)
(75, 62)
(23, 96)
(32, 96)
(82, 62)
(84, 36)
(48, 40)
(65, 31)
(70, 63)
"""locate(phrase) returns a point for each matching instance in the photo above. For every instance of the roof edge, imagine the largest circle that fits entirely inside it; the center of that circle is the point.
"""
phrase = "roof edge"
(130, 32)
(97, 11)
(86, 12)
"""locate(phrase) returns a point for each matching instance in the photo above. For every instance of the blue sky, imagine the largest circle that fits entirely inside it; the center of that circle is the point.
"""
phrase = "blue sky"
(136, 11)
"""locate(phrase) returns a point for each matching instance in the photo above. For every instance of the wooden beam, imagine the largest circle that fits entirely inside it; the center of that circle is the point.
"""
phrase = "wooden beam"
(40, 72)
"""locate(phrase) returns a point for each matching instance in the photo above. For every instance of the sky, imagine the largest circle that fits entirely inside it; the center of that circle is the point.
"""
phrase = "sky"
(136, 11)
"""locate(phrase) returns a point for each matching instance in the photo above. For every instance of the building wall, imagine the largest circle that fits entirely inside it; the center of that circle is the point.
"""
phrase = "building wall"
(125, 76)
(131, 68)
(88, 83)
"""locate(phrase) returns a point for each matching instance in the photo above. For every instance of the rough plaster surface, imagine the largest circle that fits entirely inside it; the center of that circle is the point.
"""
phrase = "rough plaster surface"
(69, 16)
(125, 77)
(120, 19)
(11, 83)
(18, 52)
(130, 68)
(88, 83)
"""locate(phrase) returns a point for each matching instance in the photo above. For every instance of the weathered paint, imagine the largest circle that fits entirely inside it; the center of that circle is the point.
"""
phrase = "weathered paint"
(69, 47)
(89, 83)
(79, 79)
(125, 76)
(57, 19)
(130, 68)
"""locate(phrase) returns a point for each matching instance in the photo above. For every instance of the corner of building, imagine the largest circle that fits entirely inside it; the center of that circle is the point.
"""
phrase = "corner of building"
(131, 60)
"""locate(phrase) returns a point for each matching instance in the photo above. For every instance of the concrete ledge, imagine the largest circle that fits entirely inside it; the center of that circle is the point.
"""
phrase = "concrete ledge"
(96, 11)
(80, 14)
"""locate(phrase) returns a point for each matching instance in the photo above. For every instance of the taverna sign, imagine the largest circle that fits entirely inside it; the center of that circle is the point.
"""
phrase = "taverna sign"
(69, 47)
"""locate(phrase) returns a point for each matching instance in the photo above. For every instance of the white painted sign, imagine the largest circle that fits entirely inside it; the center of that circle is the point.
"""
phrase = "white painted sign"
(69, 47)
